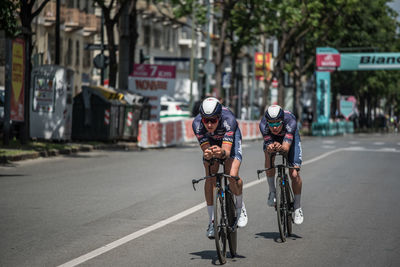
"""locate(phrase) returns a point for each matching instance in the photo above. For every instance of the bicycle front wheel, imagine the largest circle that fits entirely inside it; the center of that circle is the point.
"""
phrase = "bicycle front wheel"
(280, 209)
(219, 227)
(231, 214)
(289, 201)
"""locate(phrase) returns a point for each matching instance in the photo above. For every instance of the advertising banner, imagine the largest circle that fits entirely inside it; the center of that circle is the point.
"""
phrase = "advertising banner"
(258, 60)
(328, 59)
(369, 61)
(17, 80)
(153, 81)
(347, 106)
(323, 96)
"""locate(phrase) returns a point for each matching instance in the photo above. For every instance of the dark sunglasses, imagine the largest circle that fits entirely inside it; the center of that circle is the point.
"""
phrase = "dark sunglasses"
(208, 120)
(274, 124)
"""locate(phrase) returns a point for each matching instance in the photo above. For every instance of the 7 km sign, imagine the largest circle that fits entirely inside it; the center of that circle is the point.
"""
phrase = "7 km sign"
(153, 81)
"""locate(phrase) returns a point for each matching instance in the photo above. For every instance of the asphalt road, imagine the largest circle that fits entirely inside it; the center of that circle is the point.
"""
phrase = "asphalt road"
(138, 208)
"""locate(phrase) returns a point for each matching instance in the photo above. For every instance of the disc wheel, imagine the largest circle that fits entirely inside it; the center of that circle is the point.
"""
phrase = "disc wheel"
(219, 227)
(231, 214)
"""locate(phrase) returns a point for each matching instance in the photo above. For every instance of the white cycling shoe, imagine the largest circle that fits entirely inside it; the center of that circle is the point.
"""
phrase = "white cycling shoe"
(210, 231)
(242, 221)
(298, 216)
(271, 199)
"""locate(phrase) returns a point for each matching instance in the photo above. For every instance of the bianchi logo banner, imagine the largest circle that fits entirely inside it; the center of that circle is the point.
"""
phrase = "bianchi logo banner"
(369, 61)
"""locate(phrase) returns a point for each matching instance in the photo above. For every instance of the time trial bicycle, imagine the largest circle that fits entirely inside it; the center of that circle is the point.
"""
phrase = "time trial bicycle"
(284, 205)
(225, 223)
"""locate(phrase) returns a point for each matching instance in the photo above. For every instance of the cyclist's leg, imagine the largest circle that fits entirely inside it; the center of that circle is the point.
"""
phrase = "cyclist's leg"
(295, 160)
(208, 192)
(232, 165)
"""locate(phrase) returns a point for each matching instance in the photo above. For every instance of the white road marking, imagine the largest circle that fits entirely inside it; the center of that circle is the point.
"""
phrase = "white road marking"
(378, 143)
(354, 142)
(130, 237)
(328, 141)
(328, 147)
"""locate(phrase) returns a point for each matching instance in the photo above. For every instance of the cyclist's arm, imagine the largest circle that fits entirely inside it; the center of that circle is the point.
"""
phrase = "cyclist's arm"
(285, 147)
(207, 150)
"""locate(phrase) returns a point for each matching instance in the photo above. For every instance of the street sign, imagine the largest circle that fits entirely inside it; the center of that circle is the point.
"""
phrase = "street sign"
(100, 61)
(98, 47)
(209, 68)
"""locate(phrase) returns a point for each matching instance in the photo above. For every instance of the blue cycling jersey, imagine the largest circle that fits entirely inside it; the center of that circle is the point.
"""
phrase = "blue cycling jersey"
(227, 132)
(289, 134)
(288, 130)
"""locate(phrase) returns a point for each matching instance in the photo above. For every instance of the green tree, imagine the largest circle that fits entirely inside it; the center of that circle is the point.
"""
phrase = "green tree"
(112, 11)
(8, 18)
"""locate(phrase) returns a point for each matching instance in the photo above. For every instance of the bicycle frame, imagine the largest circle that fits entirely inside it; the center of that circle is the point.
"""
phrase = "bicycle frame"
(284, 196)
(222, 227)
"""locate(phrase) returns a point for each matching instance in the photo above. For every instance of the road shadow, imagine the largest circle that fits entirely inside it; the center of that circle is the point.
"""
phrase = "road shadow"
(12, 175)
(276, 236)
(212, 255)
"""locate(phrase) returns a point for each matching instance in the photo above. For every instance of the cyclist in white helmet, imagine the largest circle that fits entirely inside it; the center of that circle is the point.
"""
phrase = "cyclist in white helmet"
(279, 129)
(219, 136)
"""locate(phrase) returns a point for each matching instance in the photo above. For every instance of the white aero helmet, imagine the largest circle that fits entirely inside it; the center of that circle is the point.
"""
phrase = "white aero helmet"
(210, 107)
(274, 112)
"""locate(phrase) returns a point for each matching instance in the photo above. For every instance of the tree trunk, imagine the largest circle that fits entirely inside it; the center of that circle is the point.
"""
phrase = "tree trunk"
(113, 67)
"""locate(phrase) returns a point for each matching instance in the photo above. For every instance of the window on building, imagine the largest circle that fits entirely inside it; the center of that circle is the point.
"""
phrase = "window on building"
(157, 38)
(51, 48)
(86, 58)
(174, 42)
(167, 38)
(77, 51)
(68, 54)
(70, 3)
(61, 50)
(146, 35)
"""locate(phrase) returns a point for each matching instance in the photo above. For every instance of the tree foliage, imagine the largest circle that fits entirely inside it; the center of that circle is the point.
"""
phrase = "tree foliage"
(8, 18)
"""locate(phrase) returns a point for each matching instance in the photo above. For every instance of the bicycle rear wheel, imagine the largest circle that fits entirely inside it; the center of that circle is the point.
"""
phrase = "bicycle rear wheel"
(280, 208)
(219, 227)
(231, 214)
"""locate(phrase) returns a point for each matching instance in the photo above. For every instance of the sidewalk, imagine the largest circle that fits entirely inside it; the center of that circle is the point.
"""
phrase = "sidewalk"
(31, 151)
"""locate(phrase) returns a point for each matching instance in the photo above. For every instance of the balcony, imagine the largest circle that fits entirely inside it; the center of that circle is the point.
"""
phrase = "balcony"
(49, 13)
(91, 25)
(73, 19)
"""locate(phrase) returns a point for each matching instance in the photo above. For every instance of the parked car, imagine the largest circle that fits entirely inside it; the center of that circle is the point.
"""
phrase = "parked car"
(173, 110)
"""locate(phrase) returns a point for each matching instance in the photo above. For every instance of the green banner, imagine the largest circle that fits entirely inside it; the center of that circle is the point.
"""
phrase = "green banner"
(369, 61)
(323, 96)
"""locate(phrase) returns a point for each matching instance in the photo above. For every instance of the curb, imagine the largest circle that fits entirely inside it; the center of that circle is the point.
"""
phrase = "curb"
(68, 151)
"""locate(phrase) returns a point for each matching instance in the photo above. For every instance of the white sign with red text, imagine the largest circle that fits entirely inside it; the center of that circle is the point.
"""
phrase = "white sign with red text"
(153, 81)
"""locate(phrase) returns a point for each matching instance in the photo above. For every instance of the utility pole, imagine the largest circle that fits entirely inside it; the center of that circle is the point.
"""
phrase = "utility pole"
(123, 71)
(57, 59)
(208, 49)
(253, 82)
(192, 57)
(102, 46)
